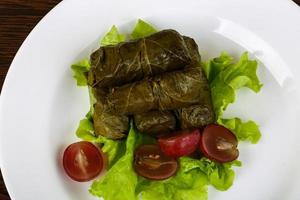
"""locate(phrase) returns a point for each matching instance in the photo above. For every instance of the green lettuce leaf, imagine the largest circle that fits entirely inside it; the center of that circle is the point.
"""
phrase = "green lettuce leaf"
(222, 95)
(221, 176)
(247, 131)
(112, 37)
(93, 100)
(120, 181)
(114, 149)
(85, 130)
(225, 77)
(142, 29)
(188, 183)
(214, 66)
(80, 70)
(243, 74)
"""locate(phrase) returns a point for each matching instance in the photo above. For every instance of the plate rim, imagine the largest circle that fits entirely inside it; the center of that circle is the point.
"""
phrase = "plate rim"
(13, 67)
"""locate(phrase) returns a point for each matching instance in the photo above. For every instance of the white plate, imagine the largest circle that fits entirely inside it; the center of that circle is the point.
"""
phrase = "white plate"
(41, 105)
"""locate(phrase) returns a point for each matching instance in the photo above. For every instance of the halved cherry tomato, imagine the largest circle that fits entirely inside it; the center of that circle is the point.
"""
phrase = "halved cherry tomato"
(180, 143)
(151, 163)
(83, 161)
(219, 144)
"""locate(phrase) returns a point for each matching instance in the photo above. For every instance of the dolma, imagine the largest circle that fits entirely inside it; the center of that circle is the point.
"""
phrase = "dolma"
(181, 88)
(197, 115)
(192, 49)
(164, 92)
(115, 65)
(155, 122)
(107, 123)
(132, 98)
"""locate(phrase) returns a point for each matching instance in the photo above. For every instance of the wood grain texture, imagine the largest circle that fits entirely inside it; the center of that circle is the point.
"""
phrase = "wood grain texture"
(17, 19)
(3, 193)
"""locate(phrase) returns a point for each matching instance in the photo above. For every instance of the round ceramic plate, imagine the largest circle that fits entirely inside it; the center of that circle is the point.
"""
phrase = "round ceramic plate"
(41, 104)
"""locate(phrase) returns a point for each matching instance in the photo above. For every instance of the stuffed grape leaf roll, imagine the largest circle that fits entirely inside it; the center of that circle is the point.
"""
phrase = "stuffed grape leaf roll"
(181, 88)
(155, 122)
(192, 49)
(197, 115)
(163, 92)
(107, 123)
(115, 65)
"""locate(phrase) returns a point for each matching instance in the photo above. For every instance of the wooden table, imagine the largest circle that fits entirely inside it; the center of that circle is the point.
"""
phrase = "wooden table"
(17, 19)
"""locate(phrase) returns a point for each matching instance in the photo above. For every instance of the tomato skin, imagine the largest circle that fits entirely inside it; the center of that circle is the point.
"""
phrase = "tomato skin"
(83, 161)
(181, 143)
(218, 144)
(151, 163)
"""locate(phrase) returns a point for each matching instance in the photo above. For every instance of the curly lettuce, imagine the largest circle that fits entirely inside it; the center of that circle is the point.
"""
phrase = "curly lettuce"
(221, 176)
(188, 183)
(119, 183)
(225, 78)
(80, 70)
(142, 29)
(244, 131)
(112, 37)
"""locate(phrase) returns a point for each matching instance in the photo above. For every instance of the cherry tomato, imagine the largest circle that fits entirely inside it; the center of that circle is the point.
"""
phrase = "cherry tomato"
(151, 163)
(83, 161)
(180, 143)
(219, 144)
